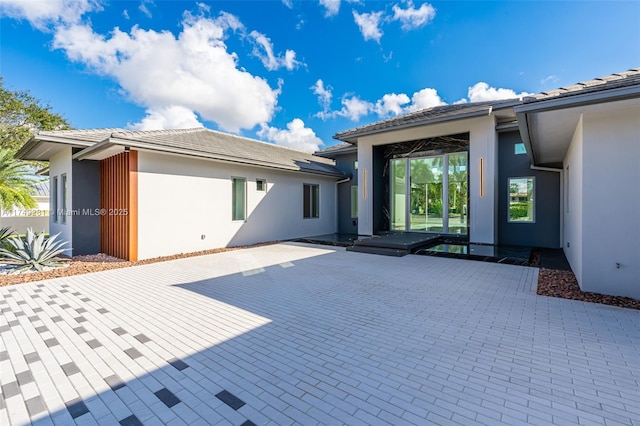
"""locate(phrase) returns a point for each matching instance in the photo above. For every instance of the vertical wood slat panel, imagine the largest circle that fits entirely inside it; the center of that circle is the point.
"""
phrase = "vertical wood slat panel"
(119, 193)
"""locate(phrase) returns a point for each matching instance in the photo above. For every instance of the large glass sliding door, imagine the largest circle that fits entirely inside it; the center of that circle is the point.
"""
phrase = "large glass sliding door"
(429, 194)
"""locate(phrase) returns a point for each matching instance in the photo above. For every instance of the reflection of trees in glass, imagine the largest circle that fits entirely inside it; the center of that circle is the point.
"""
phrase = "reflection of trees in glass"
(426, 186)
(521, 199)
(457, 185)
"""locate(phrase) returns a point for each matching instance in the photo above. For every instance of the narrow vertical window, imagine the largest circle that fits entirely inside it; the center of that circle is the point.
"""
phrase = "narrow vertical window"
(54, 198)
(311, 201)
(522, 200)
(566, 190)
(354, 201)
(238, 198)
(63, 195)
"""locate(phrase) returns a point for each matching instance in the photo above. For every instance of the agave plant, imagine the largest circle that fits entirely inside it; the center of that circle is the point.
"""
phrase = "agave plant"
(34, 252)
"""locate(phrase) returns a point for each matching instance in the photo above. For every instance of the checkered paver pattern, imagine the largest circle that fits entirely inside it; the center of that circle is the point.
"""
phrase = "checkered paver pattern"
(300, 334)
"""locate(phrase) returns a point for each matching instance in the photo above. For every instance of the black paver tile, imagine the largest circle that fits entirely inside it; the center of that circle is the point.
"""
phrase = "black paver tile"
(94, 343)
(76, 408)
(230, 399)
(133, 353)
(70, 368)
(132, 420)
(167, 397)
(115, 382)
(24, 377)
(35, 405)
(119, 331)
(178, 364)
(51, 342)
(142, 338)
(10, 389)
(32, 357)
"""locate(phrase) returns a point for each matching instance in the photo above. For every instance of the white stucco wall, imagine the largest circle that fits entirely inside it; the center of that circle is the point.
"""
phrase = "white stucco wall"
(573, 203)
(611, 201)
(60, 164)
(180, 199)
(482, 144)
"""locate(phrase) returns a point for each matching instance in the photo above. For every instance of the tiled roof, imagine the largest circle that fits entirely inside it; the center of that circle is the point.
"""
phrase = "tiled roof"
(340, 148)
(87, 135)
(223, 146)
(41, 189)
(609, 82)
(425, 116)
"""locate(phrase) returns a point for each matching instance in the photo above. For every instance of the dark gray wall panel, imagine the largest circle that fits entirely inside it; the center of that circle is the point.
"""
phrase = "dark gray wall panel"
(346, 224)
(545, 232)
(85, 197)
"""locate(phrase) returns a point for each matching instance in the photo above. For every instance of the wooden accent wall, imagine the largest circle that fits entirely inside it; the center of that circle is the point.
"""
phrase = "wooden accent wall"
(119, 205)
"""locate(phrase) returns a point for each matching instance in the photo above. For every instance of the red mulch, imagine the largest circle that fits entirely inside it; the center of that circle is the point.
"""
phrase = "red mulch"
(564, 284)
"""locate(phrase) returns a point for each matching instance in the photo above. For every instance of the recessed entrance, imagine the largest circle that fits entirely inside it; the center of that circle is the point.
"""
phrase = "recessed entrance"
(430, 193)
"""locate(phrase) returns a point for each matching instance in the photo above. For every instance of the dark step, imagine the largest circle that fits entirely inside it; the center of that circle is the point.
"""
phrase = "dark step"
(399, 241)
(379, 250)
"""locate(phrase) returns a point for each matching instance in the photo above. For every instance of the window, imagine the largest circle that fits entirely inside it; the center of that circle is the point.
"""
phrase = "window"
(238, 199)
(522, 200)
(311, 201)
(519, 149)
(63, 193)
(566, 191)
(354, 201)
(261, 185)
(355, 165)
(54, 196)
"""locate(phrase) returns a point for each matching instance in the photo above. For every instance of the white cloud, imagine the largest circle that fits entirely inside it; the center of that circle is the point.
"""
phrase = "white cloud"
(332, 7)
(172, 117)
(391, 104)
(369, 24)
(549, 79)
(41, 14)
(324, 99)
(125, 14)
(162, 72)
(425, 98)
(354, 108)
(412, 18)
(481, 91)
(295, 136)
(288, 3)
(144, 9)
(263, 50)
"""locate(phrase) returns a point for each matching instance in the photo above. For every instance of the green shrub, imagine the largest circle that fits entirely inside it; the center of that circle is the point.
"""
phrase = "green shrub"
(34, 252)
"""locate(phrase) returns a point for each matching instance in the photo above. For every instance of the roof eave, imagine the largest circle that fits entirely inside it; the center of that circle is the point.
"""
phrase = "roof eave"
(561, 102)
(36, 140)
(353, 138)
(127, 143)
(523, 111)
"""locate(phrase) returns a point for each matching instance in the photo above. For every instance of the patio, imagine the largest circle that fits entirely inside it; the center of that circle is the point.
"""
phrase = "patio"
(296, 333)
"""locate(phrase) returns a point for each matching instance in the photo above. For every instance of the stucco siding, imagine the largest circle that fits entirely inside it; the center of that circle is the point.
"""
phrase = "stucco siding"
(611, 201)
(482, 145)
(573, 204)
(184, 205)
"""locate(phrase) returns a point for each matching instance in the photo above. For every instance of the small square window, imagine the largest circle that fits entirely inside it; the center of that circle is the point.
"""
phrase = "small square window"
(261, 185)
(519, 149)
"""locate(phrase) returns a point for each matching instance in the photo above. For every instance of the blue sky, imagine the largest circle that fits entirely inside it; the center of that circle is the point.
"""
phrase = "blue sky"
(296, 72)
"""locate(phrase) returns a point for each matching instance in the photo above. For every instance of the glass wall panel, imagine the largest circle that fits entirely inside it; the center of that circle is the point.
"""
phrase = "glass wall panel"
(458, 193)
(521, 199)
(426, 194)
(398, 191)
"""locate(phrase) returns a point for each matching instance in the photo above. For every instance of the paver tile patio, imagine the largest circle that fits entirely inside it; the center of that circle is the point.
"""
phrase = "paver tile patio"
(293, 333)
